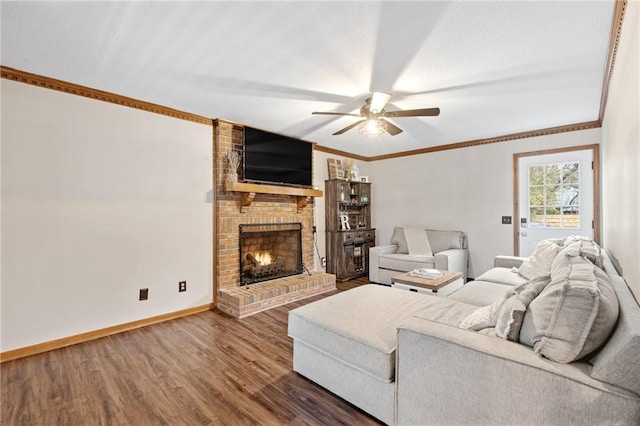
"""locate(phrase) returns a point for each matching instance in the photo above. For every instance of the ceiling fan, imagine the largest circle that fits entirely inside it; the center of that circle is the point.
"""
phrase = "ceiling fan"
(373, 116)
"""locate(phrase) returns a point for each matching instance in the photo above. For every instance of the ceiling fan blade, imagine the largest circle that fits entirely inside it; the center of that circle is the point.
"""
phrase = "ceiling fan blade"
(335, 113)
(392, 129)
(424, 112)
(351, 126)
(378, 101)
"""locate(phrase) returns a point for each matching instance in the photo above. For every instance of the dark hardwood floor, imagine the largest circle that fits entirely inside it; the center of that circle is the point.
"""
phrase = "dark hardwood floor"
(207, 368)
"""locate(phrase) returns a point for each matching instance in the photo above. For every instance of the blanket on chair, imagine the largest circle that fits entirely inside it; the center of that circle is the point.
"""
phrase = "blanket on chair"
(417, 242)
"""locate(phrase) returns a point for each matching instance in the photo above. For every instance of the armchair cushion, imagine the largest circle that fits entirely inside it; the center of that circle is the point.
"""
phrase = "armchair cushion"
(405, 262)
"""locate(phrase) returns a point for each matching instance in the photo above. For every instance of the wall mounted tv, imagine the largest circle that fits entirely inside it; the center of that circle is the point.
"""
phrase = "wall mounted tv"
(276, 159)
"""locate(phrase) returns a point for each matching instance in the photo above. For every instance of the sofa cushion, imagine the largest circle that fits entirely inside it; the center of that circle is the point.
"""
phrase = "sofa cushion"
(405, 262)
(358, 326)
(618, 362)
(574, 314)
(500, 275)
(479, 293)
(539, 263)
(449, 313)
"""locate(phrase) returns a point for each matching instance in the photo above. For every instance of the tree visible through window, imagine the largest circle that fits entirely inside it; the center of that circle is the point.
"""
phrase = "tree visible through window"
(554, 195)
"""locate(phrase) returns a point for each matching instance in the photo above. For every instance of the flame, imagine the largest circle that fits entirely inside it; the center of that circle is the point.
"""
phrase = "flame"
(263, 258)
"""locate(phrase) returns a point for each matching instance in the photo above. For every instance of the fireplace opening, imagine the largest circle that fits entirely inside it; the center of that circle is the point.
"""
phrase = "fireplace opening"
(269, 251)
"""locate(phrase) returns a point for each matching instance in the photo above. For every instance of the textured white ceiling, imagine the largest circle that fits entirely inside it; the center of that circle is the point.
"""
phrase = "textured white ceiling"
(493, 68)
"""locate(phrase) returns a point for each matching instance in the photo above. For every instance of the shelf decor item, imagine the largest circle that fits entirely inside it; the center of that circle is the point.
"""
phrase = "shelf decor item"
(351, 170)
(335, 168)
(233, 157)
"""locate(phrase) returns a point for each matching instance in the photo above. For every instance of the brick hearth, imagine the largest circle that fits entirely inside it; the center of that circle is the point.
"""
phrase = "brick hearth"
(244, 301)
(265, 208)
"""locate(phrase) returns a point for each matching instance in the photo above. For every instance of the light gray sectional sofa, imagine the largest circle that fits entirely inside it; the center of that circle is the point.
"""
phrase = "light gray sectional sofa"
(447, 251)
(414, 359)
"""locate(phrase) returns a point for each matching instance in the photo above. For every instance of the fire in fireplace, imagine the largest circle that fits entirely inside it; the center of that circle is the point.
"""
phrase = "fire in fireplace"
(269, 251)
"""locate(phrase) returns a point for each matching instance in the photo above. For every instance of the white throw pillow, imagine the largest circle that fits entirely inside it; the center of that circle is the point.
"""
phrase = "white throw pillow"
(538, 265)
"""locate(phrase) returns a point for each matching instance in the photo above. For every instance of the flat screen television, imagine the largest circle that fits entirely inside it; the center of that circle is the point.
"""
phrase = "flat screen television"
(276, 159)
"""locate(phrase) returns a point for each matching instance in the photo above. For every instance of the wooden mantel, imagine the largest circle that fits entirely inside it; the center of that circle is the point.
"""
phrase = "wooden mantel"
(249, 190)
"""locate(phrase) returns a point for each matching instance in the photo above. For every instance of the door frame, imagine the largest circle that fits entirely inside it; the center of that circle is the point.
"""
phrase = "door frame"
(595, 148)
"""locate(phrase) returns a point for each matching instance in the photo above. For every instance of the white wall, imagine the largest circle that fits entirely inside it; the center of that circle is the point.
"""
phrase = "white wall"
(98, 201)
(467, 189)
(621, 153)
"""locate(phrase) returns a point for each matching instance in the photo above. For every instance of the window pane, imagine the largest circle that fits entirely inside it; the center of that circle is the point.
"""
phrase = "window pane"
(570, 173)
(570, 195)
(536, 175)
(553, 218)
(553, 174)
(536, 217)
(570, 217)
(554, 195)
(536, 196)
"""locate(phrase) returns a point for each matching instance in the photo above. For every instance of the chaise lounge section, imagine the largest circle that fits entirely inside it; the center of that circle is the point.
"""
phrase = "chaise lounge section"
(405, 358)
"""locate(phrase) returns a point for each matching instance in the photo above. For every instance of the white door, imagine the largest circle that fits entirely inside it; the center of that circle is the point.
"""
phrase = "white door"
(555, 197)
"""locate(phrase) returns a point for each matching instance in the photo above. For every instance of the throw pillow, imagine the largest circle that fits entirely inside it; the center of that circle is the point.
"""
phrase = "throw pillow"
(399, 239)
(487, 316)
(585, 247)
(507, 312)
(513, 310)
(539, 263)
(574, 314)
(510, 319)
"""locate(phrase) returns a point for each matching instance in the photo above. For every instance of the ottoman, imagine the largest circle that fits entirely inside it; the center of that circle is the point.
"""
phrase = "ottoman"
(346, 342)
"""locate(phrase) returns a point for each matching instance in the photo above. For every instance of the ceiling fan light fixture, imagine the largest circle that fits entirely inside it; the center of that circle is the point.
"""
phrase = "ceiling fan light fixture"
(372, 127)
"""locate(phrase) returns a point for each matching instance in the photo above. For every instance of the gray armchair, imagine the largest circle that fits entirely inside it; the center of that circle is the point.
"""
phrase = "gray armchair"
(449, 253)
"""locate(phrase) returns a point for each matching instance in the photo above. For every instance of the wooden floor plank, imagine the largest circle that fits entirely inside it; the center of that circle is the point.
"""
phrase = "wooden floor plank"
(207, 368)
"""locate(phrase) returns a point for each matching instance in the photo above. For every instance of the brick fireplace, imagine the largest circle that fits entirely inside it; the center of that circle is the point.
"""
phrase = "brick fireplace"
(256, 211)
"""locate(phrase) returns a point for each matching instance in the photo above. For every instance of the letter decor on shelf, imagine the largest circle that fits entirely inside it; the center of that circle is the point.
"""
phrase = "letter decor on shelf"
(344, 222)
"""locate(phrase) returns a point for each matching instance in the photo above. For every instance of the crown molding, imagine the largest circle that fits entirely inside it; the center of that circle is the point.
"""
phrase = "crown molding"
(467, 144)
(340, 153)
(87, 92)
(614, 41)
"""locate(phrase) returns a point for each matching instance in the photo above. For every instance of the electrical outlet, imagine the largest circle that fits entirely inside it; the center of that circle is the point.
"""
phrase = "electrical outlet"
(324, 262)
(506, 220)
(182, 286)
(144, 293)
